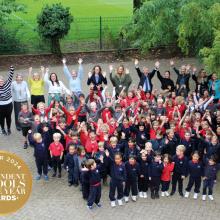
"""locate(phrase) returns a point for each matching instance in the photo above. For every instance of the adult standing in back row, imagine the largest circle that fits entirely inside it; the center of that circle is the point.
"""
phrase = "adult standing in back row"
(36, 84)
(146, 76)
(121, 80)
(74, 77)
(6, 102)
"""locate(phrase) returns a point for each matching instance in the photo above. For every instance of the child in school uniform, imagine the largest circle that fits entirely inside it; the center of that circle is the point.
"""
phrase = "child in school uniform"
(166, 174)
(40, 152)
(143, 180)
(133, 171)
(56, 153)
(210, 172)
(71, 164)
(195, 170)
(98, 154)
(84, 180)
(155, 171)
(180, 170)
(95, 183)
(25, 118)
(118, 178)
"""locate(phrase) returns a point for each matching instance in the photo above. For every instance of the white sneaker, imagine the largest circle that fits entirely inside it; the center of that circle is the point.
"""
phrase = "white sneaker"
(145, 195)
(120, 202)
(167, 194)
(203, 197)
(141, 194)
(211, 197)
(113, 204)
(134, 198)
(195, 196)
(126, 199)
(186, 194)
(162, 194)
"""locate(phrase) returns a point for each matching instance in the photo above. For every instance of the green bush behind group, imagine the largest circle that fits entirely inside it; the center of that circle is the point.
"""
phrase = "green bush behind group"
(193, 26)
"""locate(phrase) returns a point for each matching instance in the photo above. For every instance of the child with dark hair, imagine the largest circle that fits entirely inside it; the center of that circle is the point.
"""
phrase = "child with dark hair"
(94, 182)
(210, 172)
(118, 178)
(195, 170)
(155, 171)
(166, 174)
(71, 164)
(143, 180)
(130, 149)
(133, 171)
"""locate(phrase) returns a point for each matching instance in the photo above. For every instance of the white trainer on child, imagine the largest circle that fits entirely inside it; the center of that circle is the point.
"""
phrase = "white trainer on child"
(141, 194)
(211, 197)
(162, 194)
(186, 194)
(120, 202)
(134, 198)
(166, 193)
(113, 204)
(126, 199)
(145, 195)
(203, 197)
(195, 196)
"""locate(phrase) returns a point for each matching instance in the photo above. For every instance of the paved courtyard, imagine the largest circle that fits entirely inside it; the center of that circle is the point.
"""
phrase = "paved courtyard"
(54, 200)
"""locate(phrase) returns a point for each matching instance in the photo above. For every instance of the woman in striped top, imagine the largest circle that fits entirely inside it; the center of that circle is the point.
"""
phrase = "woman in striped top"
(6, 102)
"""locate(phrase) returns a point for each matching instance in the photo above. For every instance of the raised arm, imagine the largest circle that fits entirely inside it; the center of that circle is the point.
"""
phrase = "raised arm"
(80, 70)
(66, 70)
(136, 62)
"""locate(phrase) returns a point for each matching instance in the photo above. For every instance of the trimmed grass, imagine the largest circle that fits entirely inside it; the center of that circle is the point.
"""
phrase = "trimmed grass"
(86, 24)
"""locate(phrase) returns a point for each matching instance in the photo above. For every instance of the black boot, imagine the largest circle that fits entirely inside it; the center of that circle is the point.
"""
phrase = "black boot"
(157, 195)
(172, 193)
(4, 132)
(9, 132)
(152, 195)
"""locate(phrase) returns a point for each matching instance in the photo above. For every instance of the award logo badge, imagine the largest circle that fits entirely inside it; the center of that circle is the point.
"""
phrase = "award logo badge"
(15, 183)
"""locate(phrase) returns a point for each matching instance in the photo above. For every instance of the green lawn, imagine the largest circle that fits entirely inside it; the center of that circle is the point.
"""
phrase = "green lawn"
(84, 28)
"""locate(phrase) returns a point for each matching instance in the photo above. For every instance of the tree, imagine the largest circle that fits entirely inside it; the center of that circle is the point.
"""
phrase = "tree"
(137, 4)
(7, 7)
(53, 24)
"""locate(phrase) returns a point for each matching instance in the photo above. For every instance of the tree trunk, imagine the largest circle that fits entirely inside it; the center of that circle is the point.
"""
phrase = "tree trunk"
(55, 46)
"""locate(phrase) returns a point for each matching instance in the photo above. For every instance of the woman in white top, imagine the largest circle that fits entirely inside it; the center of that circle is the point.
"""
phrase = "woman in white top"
(20, 94)
(56, 88)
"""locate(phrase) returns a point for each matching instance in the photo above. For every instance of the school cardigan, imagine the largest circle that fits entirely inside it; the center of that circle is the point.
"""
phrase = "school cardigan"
(20, 91)
(5, 90)
(120, 81)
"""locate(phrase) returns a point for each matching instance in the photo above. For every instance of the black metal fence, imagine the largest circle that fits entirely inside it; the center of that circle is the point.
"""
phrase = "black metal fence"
(86, 34)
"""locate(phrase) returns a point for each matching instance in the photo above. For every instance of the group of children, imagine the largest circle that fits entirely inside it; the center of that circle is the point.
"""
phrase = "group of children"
(138, 140)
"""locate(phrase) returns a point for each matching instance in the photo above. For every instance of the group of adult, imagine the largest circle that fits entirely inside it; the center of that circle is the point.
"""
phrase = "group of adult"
(14, 93)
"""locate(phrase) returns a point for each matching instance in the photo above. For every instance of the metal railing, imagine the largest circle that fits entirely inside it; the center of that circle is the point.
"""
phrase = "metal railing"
(86, 34)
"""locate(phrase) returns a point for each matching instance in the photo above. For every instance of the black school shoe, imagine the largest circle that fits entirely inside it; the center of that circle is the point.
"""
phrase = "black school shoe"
(70, 184)
(9, 132)
(181, 194)
(172, 193)
(152, 195)
(25, 145)
(4, 132)
(54, 175)
(59, 175)
(157, 195)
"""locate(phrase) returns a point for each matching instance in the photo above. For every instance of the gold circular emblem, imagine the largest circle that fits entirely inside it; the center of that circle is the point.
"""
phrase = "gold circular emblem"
(15, 183)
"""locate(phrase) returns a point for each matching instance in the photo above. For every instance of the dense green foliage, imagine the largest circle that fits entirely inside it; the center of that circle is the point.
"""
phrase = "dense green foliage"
(53, 24)
(190, 25)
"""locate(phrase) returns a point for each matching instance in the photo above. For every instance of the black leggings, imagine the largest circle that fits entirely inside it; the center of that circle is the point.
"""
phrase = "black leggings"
(5, 114)
(36, 99)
